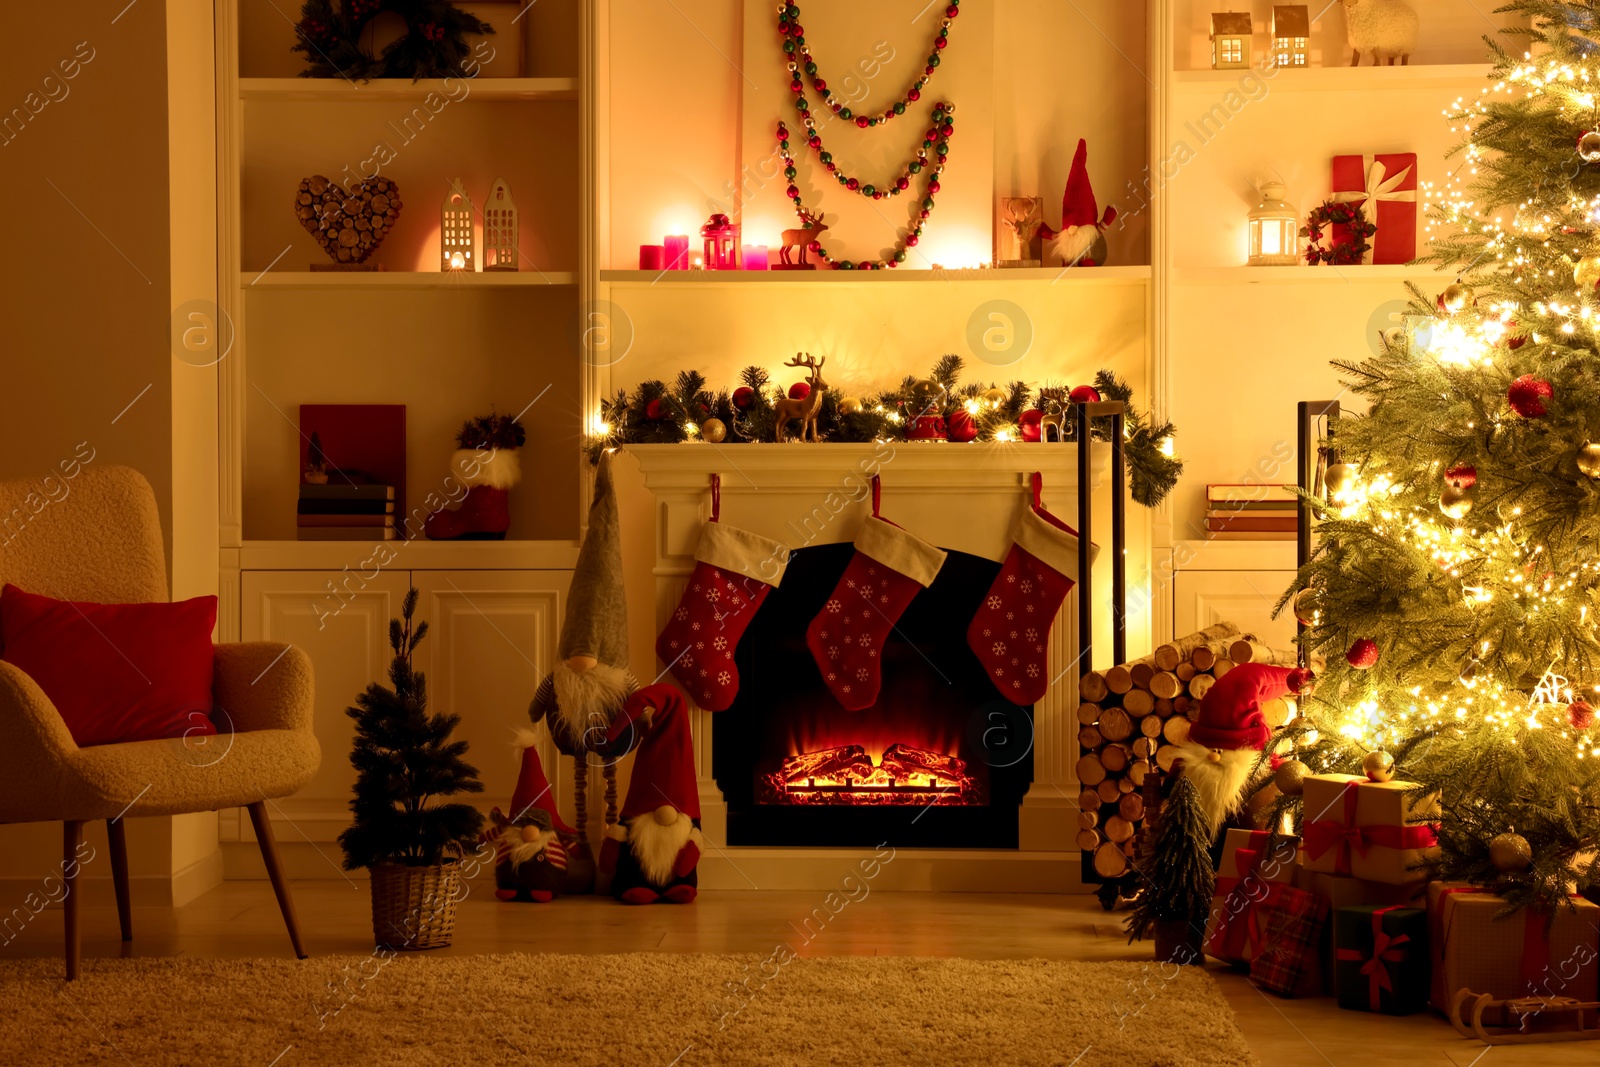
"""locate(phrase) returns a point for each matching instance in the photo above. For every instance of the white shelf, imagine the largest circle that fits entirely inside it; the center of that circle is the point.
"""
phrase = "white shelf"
(402, 279)
(419, 554)
(1302, 275)
(1458, 76)
(325, 90)
(1008, 276)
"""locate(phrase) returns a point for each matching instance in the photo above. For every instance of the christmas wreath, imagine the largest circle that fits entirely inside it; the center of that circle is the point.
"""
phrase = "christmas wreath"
(434, 44)
(658, 413)
(1336, 213)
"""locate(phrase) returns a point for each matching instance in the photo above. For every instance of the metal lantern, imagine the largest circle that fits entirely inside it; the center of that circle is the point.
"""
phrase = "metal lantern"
(1230, 40)
(1274, 229)
(1291, 35)
(457, 249)
(722, 243)
(500, 228)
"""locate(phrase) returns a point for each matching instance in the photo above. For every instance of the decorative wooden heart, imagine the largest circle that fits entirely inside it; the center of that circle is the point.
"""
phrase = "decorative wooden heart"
(348, 225)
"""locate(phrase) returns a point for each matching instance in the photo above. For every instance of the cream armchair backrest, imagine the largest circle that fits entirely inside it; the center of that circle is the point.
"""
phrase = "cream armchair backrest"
(93, 534)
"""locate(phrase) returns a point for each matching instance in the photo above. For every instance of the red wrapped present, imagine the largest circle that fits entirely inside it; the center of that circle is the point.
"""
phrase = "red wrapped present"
(1357, 827)
(1518, 955)
(1385, 186)
(1254, 872)
(1289, 959)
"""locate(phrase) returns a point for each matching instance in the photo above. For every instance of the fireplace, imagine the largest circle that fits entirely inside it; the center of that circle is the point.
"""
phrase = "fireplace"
(939, 761)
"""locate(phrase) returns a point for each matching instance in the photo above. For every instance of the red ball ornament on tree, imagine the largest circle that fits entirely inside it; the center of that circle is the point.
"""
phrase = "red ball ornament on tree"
(1580, 714)
(1085, 394)
(799, 391)
(961, 427)
(1461, 476)
(1028, 422)
(743, 397)
(655, 410)
(1363, 655)
(1527, 396)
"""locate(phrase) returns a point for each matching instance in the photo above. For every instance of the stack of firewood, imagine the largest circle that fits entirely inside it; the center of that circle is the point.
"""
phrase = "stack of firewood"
(1132, 715)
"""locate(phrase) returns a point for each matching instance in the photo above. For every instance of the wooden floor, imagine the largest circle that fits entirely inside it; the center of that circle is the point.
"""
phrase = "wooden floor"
(240, 919)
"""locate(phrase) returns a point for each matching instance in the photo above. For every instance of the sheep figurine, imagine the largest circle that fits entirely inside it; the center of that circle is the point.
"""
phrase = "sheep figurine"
(1386, 28)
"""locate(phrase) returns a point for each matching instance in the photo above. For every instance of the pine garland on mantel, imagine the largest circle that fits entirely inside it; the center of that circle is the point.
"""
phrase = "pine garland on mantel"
(657, 412)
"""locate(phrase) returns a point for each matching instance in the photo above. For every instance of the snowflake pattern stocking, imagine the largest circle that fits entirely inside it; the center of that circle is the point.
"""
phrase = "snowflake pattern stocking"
(734, 571)
(889, 568)
(1011, 631)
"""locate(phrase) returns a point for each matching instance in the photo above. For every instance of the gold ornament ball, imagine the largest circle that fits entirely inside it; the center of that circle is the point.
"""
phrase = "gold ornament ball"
(995, 397)
(1290, 778)
(1589, 460)
(714, 431)
(1587, 272)
(1589, 147)
(1510, 853)
(1340, 478)
(1305, 606)
(1455, 297)
(1455, 501)
(1378, 765)
(849, 405)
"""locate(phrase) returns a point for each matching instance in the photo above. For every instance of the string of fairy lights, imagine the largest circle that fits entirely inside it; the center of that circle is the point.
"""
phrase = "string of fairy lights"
(1494, 561)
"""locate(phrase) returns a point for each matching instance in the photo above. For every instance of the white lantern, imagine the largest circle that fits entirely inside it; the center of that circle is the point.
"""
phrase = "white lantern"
(1230, 40)
(500, 229)
(1274, 229)
(1291, 35)
(457, 249)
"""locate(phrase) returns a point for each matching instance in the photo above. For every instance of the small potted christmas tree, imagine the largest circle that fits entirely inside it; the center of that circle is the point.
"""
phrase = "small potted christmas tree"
(405, 760)
(1177, 878)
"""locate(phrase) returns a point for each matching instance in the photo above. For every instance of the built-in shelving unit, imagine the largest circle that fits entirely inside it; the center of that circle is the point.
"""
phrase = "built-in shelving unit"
(391, 280)
(332, 90)
(832, 278)
(1341, 79)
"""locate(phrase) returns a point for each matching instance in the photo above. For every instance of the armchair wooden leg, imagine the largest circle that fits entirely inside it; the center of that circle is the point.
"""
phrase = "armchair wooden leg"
(280, 884)
(71, 841)
(116, 830)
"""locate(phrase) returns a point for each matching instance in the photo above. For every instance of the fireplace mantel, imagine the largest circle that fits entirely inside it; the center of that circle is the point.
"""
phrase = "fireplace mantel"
(961, 497)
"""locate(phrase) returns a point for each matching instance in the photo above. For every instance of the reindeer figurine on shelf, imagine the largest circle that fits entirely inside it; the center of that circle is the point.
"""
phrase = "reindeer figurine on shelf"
(802, 238)
(806, 409)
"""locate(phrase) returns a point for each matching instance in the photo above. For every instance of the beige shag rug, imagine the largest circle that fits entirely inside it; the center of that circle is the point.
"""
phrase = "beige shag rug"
(653, 1010)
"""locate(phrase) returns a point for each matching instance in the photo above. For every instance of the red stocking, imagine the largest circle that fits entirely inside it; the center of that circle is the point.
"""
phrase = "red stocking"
(889, 568)
(1011, 631)
(734, 571)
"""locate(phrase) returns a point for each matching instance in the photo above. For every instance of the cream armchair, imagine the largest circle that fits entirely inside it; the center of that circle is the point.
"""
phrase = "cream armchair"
(97, 537)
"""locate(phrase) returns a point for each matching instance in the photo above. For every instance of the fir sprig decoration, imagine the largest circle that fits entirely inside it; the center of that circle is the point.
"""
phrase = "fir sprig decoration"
(492, 432)
(330, 37)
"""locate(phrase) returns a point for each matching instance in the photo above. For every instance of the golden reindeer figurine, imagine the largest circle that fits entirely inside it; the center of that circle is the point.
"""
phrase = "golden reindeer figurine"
(805, 410)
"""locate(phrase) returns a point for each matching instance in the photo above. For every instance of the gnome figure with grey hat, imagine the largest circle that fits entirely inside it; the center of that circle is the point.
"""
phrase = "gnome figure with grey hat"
(584, 695)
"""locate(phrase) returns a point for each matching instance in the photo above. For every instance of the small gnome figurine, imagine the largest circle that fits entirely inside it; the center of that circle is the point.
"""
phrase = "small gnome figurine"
(652, 853)
(1080, 241)
(584, 695)
(1226, 740)
(531, 859)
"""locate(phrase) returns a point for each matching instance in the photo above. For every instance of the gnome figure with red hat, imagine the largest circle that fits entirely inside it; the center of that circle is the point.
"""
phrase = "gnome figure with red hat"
(1226, 740)
(652, 853)
(532, 861)
(1080, 242)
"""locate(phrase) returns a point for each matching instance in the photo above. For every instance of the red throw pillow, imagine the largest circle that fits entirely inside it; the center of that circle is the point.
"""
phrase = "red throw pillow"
(115, 672)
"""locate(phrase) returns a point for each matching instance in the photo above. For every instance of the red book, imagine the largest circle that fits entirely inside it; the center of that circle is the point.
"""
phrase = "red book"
(365, 444)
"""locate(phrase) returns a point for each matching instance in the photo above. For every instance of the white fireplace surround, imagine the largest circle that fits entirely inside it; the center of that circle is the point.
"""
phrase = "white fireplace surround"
(962, 497)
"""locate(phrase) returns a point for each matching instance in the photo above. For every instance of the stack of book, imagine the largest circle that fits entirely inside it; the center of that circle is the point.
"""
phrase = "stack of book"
(344, 512)
(1252, 513)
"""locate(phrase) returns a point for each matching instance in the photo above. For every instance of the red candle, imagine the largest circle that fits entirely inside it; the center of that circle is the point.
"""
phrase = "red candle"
(677, 251)
(652, 257)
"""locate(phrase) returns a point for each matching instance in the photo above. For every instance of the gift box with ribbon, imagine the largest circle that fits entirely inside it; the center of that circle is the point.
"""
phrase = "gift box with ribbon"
(1529, 953)
(1343, 891)
(1366, 829)
(1255, 869)
(1289, 960)
(1385, 185)
(1380, 959)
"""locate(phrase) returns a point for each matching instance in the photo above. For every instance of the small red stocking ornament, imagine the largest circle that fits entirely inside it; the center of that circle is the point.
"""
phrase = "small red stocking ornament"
(1011, 631)
(734, 570)
(889, 568)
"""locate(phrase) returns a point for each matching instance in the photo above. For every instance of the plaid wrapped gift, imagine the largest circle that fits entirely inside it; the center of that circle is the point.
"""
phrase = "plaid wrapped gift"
(1255, 867)
(1381, 959)
(1289, 960)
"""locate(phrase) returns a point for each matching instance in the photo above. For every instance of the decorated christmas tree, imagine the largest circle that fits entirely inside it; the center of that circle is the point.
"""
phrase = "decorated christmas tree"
(1455, 592)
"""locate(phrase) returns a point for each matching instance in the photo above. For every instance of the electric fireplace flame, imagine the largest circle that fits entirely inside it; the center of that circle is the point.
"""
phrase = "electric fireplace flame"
(847, 774)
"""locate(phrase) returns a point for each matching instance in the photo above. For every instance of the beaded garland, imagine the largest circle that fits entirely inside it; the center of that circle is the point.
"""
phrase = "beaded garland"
(801, 59)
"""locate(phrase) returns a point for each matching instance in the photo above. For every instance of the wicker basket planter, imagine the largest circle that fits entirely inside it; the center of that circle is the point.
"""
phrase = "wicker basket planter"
(414, 907)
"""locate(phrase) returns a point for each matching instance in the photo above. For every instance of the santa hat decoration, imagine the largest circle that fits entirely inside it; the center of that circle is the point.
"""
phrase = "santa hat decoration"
(533, 788)
(663, 770)
(1230, 713)
(596, 622)
(1078, 205)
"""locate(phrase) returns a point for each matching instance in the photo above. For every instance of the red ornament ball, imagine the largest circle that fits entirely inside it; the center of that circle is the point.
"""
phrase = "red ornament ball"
(743, 397)
(1363, 655)
(655, 410)
(961, 427)
(1528, 395)
(1461, 476)
(799, 391)
(1028, 422)
(1580, 714)
(1085, 394)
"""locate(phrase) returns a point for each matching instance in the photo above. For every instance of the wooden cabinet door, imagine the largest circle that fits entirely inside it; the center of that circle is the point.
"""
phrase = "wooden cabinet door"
(491, 639)
(1244, 598)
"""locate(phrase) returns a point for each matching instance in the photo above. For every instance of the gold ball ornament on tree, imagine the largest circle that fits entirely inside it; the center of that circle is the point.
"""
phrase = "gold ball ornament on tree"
(1589, 460)
(1455, 501)
(1340, 478)
(1378, 766)
(714, 430)
(1305, 606)
(1510, 853)
(850, 405)
(1587, 272)
(1290, 777)
(1589, 147)
(1455, 298)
